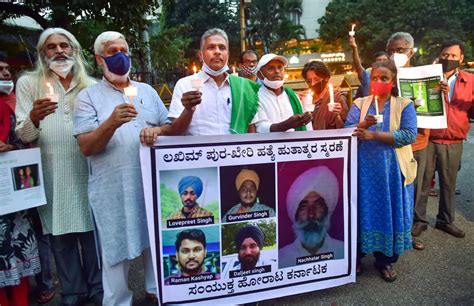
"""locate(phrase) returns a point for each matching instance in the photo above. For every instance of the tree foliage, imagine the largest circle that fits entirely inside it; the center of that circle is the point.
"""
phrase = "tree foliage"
(429, 22)
(269, 22)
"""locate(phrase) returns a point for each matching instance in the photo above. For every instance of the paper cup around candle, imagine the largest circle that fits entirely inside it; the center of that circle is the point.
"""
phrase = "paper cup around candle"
(379, 118)
(419, 102)
(352, 33)
(331, 106)
(196, 83)
(53, 97)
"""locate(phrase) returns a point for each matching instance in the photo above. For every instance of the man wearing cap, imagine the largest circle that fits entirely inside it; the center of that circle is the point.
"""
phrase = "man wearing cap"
(249, 242)
(247, 183)
(221, 103)
(310, 203)
(279, 108)
(190, 189)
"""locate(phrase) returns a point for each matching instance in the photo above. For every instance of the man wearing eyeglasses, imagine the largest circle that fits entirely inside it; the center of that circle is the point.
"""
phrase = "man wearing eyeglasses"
(445, 145)
(400, 48)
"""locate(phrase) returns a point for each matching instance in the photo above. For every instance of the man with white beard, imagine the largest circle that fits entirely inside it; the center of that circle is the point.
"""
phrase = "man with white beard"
(45, 99)
(310, 203)
(110, 120)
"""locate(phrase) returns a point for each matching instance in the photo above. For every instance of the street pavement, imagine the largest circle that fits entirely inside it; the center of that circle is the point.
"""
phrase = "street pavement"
(442, 274)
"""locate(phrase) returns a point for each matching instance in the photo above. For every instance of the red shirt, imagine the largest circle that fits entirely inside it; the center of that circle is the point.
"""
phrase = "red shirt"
(458, 111)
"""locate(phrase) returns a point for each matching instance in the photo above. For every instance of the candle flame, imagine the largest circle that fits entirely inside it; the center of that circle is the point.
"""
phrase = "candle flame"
(194, 69)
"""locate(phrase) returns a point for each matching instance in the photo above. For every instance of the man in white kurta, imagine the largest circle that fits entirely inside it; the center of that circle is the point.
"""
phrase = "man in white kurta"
(46, 121)
(279, 108)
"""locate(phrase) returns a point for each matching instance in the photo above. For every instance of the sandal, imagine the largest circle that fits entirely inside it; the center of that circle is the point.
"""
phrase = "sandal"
(45, 296)
(418, 244)
(432, 193)
(150, 297)
(388, 273)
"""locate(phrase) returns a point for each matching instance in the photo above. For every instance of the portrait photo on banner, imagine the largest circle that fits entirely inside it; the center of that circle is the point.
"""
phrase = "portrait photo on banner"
(310, 211)
(249, 248)
(191, 255)
(25, 177)
(247, 192)
(189, 197)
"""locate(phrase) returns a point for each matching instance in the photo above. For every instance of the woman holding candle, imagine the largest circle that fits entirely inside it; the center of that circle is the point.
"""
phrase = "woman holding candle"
(328, 113)
(386, 170)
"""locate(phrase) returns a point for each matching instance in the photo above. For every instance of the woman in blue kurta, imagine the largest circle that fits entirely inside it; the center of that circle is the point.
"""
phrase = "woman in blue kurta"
(385, 170)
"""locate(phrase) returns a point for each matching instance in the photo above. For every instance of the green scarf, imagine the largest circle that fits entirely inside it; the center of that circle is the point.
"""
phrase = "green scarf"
(295, 105)
(244, 103)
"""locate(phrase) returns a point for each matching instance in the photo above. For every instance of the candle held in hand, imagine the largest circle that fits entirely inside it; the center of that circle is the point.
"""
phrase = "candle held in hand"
(352, 32)
(331, 97)
(53, 97)
(130, 92)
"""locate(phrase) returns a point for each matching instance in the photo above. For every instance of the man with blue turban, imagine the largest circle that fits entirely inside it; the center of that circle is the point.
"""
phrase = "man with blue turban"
(190, 189)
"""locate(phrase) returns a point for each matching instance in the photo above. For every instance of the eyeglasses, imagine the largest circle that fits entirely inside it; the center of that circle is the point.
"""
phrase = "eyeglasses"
(399, 50)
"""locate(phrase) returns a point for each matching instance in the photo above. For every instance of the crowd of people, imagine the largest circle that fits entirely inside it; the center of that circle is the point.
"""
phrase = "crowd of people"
(94, 222)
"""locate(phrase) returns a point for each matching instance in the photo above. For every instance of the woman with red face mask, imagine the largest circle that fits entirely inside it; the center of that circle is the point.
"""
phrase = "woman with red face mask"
(386, 170)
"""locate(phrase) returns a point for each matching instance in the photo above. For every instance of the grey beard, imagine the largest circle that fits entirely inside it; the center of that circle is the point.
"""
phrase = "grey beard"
(311, 233)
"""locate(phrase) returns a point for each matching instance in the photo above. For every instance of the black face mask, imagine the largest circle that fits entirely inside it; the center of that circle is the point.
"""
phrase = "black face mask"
(448, 65)
(319, 86)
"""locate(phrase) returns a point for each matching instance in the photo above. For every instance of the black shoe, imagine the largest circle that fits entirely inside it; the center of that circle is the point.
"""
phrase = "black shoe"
(451, 229)
(457, 192)
(418, 228)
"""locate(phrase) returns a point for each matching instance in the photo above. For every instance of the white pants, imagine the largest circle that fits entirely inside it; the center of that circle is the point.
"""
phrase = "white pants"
(115, 281)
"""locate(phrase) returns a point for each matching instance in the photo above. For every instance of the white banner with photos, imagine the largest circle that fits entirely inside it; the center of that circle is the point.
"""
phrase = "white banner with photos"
(243, 218)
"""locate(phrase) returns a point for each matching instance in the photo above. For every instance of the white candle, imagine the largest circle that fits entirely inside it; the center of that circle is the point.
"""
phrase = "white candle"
(420, 89)
(196, 82)
(50, 88)
(331, 93)
(376, 105)
(352, 32)
(308, 102)
(234, 72)
(131, 91)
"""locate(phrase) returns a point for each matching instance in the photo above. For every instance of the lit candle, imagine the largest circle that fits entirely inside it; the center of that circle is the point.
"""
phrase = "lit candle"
(376, 105)
(420, 89)
(196, 82)
(130, 92)
(352, 32)
(331, 93)
(234, 72)
(331, 97)
(50, 88)
(308, 101)
(53, 97)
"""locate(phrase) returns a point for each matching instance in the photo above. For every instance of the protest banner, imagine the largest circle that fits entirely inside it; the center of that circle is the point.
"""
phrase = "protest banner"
(421, 85)
(21, 180)
(198, 254)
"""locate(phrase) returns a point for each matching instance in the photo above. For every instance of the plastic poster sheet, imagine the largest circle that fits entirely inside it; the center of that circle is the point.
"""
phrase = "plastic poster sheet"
(287, 165)
(421, 85)
(21, 180)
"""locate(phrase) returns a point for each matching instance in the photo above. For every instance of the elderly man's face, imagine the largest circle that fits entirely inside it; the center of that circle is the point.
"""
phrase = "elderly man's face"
(274, 70)
(191, 256)
(5, 74)
(248, 193)
(215, 52)
(312, 208)
(249, 253)
(115, 46)
(401, 46)
(58, 48)
(188, 197)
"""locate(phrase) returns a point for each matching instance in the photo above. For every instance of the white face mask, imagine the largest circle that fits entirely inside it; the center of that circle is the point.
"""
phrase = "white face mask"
(400, 59)
(209, 71)
(6, 87)
(62, 67)
(273, 84)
